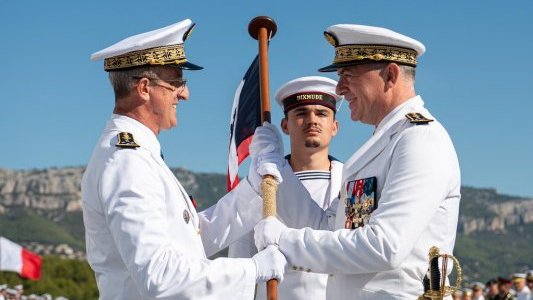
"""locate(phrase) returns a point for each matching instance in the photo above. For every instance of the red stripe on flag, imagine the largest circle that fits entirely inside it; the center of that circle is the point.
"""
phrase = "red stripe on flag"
(31, 265)
(243, 151)
(229, 184)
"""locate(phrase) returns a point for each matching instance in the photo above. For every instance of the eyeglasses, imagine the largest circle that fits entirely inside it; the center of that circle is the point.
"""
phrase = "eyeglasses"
(175, 83)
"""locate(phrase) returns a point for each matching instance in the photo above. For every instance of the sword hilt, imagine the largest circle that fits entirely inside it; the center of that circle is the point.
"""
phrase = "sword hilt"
(435, 285)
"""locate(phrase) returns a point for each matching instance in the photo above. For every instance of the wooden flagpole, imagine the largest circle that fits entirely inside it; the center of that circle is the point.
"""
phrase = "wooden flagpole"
(263, 28)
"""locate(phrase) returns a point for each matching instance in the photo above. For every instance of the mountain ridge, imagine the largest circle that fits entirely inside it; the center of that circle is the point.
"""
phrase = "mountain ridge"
(44, 205)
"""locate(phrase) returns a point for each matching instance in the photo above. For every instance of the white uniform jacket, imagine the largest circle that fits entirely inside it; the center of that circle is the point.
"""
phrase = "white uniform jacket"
(297, 283)
(143, 233)
(416, 207)
(524, 294)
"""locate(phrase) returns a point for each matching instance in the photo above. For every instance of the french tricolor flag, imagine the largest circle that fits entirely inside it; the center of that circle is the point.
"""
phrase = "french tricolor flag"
(245, 117)
(17, 259)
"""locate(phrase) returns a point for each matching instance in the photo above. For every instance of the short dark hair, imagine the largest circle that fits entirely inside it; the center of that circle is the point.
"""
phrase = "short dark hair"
(491, 282)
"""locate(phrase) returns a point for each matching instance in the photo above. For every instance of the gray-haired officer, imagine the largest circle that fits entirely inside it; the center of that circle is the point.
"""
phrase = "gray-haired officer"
(522, 291)
(477, 288)
(309, 104)
(144, 238)
(400, 191)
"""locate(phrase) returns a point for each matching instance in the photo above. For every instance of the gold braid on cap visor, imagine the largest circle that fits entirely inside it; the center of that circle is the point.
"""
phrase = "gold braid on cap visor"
(173, 54)
(346, 53)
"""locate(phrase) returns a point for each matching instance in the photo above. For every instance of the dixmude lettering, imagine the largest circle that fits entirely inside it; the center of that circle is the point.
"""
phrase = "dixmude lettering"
(309, 97)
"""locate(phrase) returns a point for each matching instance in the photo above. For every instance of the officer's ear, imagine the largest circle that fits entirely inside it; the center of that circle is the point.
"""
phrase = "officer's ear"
(143, 88)
(283, 125)
(391, 74)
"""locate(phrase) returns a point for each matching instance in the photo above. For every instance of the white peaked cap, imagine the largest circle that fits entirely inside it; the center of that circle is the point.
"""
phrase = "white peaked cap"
(357, 44)
(309, 90)
(162, 46)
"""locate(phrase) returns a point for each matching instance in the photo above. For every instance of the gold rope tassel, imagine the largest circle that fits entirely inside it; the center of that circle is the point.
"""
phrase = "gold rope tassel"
(269, 186)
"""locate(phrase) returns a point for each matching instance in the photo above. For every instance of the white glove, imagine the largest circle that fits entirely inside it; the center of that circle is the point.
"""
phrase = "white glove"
(268, 232)
(265, 136)
(266, 151)
(269, 263)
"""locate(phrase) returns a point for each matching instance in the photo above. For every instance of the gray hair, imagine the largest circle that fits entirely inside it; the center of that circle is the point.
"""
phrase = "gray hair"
(408, 71)
(124, 80)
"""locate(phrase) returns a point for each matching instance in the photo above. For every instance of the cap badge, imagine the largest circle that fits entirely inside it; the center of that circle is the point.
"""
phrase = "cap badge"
(331, 39)
(186, 216)
(126, 140)
(418, 118)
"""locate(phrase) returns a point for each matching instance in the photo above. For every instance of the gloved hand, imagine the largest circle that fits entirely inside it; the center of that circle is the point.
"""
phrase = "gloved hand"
(266, 151)
(269, 263)
(264, 136)
(268, 232)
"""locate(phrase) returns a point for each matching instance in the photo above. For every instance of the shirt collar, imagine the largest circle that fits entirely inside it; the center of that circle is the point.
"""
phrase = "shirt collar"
(413, 103)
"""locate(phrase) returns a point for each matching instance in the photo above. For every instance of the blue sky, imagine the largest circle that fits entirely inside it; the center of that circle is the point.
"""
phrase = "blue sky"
(476, 76)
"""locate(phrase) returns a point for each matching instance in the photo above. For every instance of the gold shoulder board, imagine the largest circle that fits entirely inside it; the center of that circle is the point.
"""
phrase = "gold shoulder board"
(417, 118)
(126, 140)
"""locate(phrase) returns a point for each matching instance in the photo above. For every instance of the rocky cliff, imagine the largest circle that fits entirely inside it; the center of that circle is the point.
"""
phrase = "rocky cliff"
(43, 207)
(53, 192)
(486, 210)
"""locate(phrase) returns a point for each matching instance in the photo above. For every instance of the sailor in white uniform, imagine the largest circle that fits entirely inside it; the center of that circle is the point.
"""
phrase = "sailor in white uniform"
(144, 238)
(309, 104)
(400, 191)
(522, 291)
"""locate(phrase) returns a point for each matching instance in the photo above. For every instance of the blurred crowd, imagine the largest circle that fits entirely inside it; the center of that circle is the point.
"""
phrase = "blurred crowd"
(519, 287)
(17, 293)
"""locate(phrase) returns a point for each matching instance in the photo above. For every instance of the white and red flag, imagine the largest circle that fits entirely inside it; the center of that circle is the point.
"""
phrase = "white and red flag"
(17, 259)
(245, 117)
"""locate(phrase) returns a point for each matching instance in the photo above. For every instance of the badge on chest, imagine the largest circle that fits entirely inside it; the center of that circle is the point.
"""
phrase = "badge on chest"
(359, 202)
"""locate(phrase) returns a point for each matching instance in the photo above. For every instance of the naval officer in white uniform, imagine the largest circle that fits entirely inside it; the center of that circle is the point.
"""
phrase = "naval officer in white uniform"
(400, 191)
(309, 105)
(144, 238)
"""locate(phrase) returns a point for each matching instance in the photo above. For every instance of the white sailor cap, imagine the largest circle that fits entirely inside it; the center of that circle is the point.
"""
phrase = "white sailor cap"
(3, 286)
(11, 292)
(162, 46)
(46, 296)
(477, 286)
(309, 90)
(358, 44)
(19, 287)
(518, 277)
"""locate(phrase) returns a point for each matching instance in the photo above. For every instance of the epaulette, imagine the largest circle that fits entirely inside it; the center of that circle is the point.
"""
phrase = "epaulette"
(418, 118)
(126, 140)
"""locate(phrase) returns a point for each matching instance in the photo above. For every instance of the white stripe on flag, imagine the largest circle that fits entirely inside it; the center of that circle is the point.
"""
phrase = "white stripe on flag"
(233, 160)
(10, 256)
